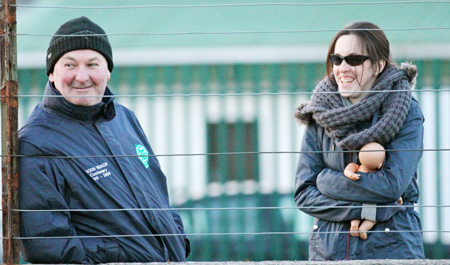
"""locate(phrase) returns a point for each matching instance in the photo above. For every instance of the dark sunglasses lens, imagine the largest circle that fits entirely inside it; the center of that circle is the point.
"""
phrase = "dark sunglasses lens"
(355, 60)
(336, 60)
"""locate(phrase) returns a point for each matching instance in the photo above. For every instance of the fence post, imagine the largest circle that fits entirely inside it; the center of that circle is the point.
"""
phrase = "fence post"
(9, 106)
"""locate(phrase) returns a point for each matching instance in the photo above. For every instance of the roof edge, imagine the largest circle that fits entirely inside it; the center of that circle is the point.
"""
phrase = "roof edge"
(238, 55)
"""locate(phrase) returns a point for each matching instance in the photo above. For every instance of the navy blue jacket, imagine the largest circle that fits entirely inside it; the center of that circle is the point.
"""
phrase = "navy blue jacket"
(321, 182)
(94, 171)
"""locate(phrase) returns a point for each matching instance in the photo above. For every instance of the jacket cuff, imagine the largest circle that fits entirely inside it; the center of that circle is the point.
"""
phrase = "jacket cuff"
(369, 212)
(188, 247)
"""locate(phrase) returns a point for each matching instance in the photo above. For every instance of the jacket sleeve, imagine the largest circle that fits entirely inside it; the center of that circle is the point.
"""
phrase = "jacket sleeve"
(39, 190)
(180, 226)
(307, 196)
(388, 184)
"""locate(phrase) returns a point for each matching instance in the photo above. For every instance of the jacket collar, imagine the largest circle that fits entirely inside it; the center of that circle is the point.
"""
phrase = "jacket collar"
(105, 109)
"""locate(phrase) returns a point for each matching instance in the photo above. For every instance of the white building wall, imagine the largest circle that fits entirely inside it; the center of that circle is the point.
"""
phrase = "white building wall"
(177, 126)
(444, 136)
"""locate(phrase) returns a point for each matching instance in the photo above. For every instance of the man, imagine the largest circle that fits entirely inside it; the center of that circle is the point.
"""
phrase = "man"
(83, 151)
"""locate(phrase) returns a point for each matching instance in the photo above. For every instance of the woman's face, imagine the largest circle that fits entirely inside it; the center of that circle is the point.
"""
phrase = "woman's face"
(351, 79)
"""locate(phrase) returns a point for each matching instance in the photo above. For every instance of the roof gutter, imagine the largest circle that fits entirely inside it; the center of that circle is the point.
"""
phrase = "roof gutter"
(239, 55)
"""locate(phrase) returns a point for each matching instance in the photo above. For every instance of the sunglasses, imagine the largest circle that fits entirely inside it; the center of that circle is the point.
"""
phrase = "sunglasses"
(353, 60)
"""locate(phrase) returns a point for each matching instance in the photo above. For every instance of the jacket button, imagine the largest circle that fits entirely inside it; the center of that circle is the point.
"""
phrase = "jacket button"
(387, 230)
(315, 227)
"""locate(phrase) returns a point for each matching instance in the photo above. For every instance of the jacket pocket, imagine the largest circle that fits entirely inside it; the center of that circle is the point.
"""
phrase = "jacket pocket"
(381, 241)
(322, 243)
(101, 250)
(110, 251)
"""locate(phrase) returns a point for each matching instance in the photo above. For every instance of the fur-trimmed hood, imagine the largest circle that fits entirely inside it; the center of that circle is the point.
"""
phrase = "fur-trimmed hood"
(411, 72)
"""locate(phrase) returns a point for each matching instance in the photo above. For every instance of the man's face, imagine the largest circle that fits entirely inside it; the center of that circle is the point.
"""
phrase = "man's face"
(81, 73)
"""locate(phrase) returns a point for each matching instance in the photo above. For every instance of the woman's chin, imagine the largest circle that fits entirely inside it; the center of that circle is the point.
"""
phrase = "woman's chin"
(346, 94)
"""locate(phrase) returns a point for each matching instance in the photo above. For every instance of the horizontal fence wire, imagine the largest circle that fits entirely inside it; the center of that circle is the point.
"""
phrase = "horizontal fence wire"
(229, 153)
(228, 94)
(232, 208)
(233, 32)
(232, 234)
(232, 5)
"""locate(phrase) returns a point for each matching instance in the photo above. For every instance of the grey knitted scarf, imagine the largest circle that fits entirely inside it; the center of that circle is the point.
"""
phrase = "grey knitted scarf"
(339, 121)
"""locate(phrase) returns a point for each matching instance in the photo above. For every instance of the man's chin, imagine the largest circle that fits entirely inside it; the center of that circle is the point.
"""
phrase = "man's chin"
(82, 101)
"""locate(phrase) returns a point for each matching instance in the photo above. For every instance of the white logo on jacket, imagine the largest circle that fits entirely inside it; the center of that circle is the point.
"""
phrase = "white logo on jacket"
(98, 172)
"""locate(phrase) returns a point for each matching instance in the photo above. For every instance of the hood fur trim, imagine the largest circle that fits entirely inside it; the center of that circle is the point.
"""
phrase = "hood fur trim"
(301, 116)
(411, 71)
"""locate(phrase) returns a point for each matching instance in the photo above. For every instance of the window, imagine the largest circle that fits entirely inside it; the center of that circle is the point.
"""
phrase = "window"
(232, 137)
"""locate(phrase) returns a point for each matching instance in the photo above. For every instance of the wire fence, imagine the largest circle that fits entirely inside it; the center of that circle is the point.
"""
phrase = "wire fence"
(222, 95)
(239, 32)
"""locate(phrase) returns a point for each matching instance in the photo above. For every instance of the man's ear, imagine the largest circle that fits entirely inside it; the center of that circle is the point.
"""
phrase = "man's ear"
(51, 77)
(109, 75)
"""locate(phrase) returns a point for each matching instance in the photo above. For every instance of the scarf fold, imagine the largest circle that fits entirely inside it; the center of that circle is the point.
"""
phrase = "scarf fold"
(391, 94)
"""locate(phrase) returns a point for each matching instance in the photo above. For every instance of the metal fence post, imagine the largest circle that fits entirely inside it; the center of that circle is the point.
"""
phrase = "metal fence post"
(9, 106)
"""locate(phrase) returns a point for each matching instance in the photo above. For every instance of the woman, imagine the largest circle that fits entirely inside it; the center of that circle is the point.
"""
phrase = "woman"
(339, 124)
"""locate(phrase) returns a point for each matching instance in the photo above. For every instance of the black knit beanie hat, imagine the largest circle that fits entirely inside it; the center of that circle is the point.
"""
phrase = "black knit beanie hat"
(74, 35)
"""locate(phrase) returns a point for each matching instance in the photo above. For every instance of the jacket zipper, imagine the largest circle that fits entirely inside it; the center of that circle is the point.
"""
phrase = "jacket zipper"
(348, 247)
(348, 235)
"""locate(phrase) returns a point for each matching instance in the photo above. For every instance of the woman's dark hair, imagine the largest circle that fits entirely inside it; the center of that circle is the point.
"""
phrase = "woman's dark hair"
(373, 41)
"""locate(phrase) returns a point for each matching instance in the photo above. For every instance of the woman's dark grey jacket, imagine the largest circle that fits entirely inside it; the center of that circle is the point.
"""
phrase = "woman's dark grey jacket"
(320, 183)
